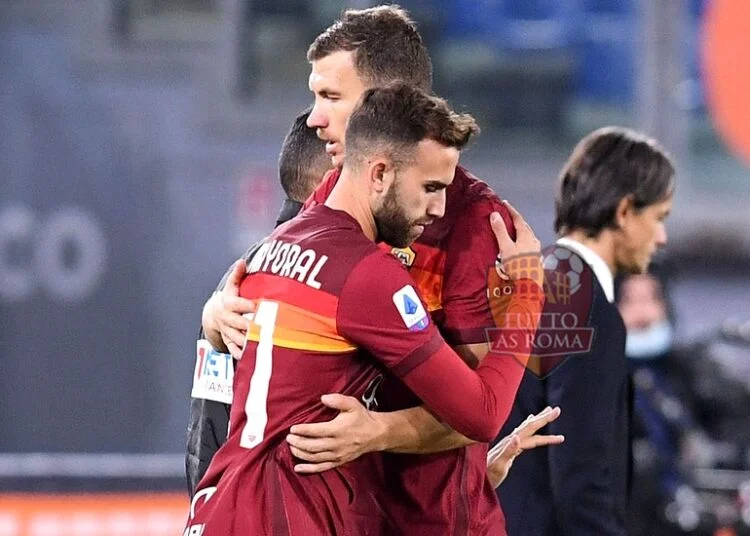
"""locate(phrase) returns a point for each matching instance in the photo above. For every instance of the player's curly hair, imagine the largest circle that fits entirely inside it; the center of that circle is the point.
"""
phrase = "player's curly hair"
(386, 44)
(606, 166)
(392, 120)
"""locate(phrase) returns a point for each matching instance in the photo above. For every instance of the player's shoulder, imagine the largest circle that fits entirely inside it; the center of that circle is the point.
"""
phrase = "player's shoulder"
(331, 232)
(375, 270)
(321, 220)
(324, 189)
(320, 248)
(379, 262)
(479, 198)
(479, 201)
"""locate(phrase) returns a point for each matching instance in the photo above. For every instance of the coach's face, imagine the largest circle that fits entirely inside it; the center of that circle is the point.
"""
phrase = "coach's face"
(641, 233)
(412, 197)
(337, 88)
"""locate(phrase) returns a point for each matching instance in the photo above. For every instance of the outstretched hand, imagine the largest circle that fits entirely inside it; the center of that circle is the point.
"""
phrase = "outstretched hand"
(500, 457)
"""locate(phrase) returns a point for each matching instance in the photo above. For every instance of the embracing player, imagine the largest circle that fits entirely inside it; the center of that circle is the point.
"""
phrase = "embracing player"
(332, 305)
(450, 262)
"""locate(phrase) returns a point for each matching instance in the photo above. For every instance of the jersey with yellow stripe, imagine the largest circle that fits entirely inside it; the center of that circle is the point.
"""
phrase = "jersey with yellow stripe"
(333, 310)
(446, 492)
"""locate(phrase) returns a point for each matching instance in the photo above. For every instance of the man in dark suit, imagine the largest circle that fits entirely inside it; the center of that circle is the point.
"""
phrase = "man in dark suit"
(613, 196)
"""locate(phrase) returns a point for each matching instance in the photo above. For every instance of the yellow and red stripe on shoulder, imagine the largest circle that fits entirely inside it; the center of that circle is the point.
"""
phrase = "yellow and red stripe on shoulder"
(306, 318)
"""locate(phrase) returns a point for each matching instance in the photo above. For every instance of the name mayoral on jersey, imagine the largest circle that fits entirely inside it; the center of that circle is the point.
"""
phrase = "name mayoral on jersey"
(288, 260)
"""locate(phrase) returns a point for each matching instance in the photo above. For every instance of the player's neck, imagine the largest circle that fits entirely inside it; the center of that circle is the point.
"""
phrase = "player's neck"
(346, 198)
(602, 244)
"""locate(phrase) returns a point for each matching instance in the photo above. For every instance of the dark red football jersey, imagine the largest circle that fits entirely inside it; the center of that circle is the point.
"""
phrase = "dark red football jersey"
(320, 286)
(448, 492)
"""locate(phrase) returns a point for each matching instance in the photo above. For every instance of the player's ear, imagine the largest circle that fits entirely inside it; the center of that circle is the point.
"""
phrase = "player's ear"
(378, 175)
(624, 210)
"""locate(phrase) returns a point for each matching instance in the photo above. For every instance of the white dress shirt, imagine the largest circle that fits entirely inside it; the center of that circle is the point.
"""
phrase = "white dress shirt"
(597, 264)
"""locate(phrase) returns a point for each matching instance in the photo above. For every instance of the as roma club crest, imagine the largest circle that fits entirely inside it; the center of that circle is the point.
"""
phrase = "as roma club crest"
(405, 255)
(562, 328)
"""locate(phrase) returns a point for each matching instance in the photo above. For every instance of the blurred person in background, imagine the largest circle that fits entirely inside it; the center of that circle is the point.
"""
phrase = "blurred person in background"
(658, 413)
(688, 413)
(613, 196)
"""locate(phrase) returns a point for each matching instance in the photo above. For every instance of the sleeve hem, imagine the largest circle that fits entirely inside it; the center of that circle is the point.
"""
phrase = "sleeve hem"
(461, 336)
(418, 356)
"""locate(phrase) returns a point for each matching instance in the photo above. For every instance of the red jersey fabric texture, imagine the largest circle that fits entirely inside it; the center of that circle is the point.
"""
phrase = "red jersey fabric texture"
(329, 301)
(445, 493)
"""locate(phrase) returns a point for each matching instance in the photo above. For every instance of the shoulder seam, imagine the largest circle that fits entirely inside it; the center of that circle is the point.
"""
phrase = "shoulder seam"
(374, 251)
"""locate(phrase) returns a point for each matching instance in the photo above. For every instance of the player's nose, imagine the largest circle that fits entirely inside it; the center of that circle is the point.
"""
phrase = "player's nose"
(317, 119)
(436, 207)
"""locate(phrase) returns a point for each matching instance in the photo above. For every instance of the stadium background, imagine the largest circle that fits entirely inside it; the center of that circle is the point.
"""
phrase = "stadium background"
(138, 144)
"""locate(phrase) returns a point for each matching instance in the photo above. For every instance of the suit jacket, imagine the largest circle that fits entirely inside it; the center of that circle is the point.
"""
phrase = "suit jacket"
(578, 488)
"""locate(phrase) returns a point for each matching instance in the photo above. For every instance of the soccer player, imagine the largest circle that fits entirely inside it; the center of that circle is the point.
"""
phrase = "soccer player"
(326, 294)
(450, 263)
(613, 196)
(302, 165)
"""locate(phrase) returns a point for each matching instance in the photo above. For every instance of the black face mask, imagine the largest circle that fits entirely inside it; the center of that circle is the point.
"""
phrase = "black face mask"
(289, 210)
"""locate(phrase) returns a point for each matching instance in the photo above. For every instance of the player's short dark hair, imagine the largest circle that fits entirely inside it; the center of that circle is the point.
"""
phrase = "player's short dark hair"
(303, 160)
(392, 120)
(606, 166)
(386, 43)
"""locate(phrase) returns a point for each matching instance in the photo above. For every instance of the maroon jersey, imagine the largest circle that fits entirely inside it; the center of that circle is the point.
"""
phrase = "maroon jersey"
(447, 492)
(324, 291)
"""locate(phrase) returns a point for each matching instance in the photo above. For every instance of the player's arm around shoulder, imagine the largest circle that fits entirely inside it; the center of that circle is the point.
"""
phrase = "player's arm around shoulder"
(493, 282)
(380, 311)
(471, 254)
(470, 300)
(415, 430)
